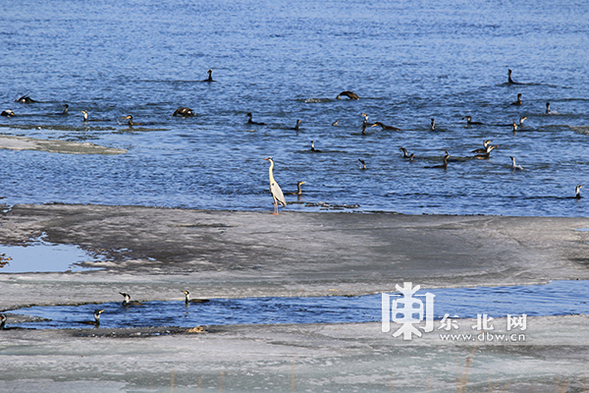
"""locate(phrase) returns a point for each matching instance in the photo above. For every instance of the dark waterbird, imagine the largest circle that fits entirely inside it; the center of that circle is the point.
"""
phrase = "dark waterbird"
(250, 121)
(385, 127)
(444, 164)
(183, 112)
(487, 154)
(514, 166)
(578, 192)
(518, 102)
(130, 122)
(510, 80)
(550, 111)
(66, 107)
(313, 147)
(350, 94)
(87, 119)
(127, 300)
(485, 149)
(299, 189)
(3, 326)
(25, 100)
(210, 77)
(96, 321)
(188, 300)
(469, 121)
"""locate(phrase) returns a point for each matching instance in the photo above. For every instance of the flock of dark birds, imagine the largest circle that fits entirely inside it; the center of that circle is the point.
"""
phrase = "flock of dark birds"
(183, 112)
(481, 153)
(127, 302)
(275, 190)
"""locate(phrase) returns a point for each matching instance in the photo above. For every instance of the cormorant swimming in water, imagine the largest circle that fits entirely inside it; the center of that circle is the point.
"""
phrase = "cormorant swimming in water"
(184, 112)
(470, 122)
(411, 156)
(3, 319)
(509, 80)
(485, 149)
(486, 155)
(364, 123)
(349, 94)
(578, 192)
(249, 121)
(131, 122)
(445, 162)
(210, 78)
(65, 109)
(335, 123)
(362, 164)
(8, 113)
(519, 100)
(296, 127)
(299, 189)
(85, 113)
(514, 166)
(385, 127)
(515, 127)
(96, 321)
(548, 111)
(433, 125)
(127, 300)
(313, 147)
(188, 300)
(25, 100)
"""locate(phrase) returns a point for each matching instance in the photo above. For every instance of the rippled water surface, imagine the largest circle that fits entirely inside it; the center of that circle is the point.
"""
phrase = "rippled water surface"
(287, 60)
(556, 298)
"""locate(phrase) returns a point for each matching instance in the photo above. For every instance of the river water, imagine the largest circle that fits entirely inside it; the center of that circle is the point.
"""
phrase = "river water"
(555, 298)
(287, 60)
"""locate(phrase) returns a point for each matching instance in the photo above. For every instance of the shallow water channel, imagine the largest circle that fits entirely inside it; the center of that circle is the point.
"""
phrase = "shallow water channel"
(555, 298)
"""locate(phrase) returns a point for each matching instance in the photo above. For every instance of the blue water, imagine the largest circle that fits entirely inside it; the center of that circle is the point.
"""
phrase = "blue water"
(287, 60)
(555, 298)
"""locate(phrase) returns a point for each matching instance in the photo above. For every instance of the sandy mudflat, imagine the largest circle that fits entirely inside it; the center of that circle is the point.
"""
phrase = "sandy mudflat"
(154, 253)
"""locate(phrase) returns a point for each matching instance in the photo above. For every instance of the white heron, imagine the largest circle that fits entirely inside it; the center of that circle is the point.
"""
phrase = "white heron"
(275, 190)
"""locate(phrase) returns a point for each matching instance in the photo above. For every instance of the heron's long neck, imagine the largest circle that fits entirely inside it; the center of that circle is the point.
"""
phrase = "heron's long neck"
(270, 172)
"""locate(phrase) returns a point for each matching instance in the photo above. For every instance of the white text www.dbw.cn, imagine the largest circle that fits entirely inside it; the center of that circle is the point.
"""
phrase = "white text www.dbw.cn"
(485, 337)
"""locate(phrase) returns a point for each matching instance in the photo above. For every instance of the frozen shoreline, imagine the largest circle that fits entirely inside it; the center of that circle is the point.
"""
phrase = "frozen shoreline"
(155, 253)
(330, 357)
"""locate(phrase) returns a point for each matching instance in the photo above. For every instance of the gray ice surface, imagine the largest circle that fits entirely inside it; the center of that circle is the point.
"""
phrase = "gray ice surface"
(155, 253)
